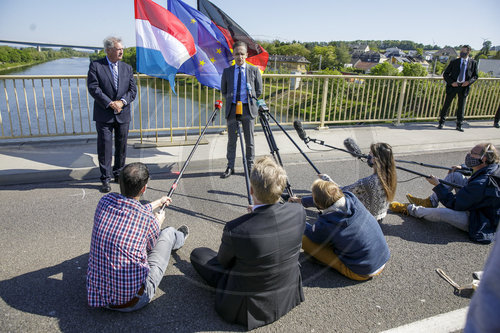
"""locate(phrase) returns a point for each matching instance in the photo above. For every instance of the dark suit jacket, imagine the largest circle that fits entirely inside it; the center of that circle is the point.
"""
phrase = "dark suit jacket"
(261, 251)
(253, 77)
(101, 88)
(452, 71)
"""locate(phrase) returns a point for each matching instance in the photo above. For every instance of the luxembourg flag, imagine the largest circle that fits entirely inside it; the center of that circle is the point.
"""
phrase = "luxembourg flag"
(163, 41)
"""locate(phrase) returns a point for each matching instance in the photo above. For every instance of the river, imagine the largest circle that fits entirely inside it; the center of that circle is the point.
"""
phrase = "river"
(41, 107)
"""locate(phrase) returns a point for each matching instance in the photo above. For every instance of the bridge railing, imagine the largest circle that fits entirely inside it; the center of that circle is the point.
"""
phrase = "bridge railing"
(41, 106)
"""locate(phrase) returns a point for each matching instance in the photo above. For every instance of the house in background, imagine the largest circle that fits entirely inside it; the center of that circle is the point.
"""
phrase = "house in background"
(429, 55)
(394, 52)
(445, 54)
(287, 64)
(365, 61)
(490, 66)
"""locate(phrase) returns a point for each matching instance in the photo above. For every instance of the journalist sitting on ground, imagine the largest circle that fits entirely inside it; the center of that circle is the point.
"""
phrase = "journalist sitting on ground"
(475, 208)
(346, 236)
(256, 271)
(128, 251)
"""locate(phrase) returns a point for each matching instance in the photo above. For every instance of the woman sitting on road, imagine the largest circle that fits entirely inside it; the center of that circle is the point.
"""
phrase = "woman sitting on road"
(346, 236)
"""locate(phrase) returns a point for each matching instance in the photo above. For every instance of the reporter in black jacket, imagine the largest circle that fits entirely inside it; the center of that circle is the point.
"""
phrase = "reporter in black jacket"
(256, 271)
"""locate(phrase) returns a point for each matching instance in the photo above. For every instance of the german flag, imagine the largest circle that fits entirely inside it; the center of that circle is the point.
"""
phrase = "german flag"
(233, 32)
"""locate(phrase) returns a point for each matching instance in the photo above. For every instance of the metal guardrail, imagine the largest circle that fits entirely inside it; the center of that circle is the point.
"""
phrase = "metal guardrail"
(41, 106)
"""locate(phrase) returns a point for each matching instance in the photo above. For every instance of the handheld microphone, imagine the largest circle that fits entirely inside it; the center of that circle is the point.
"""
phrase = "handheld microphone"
(353, 148)
(300, 131)
(262, 106)
(218, 104)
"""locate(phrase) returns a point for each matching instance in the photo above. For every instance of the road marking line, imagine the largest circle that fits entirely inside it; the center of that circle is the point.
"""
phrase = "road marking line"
(446, 322)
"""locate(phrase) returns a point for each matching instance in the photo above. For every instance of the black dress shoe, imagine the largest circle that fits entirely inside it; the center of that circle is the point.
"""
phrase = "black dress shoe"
(440, 126)
(227, 173)
(495, 124)
(105, 188)
(459, 128)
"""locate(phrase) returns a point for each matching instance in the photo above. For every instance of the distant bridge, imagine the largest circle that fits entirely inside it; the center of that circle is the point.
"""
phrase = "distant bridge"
(39, 45)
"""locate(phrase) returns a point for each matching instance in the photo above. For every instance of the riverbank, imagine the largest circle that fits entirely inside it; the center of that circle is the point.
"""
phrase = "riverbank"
(8, 68)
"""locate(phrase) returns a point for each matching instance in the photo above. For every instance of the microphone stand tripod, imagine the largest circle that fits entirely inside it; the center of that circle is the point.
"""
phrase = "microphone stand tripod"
(244, 158)
(218, 105)
(264, 121)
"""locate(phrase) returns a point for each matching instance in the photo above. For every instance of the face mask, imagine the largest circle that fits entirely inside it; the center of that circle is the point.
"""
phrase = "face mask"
(471, 162)
(369, 161)
(463, 54)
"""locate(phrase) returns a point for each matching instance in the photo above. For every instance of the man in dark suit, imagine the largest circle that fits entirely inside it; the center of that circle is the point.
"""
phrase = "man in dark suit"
(111, 83)
(459, 75)
(256, 271)
(240, 83)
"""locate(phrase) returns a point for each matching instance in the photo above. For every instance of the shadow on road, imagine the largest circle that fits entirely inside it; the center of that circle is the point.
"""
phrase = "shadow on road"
(60, 292)
(421, 231)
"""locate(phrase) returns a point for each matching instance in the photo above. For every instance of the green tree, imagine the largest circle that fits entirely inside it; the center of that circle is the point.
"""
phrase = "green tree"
(325, 54)
(414, 70)
(486, 47)
(268, 46)
(384, 69)
(440, 67)
(485, 51)
(343, 55)
(293, 49)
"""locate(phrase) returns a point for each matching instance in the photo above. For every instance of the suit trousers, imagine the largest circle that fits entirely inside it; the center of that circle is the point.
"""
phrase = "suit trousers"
(451, 92)
(204, 261)
(248, 124)
(105, 148)
(497, 115)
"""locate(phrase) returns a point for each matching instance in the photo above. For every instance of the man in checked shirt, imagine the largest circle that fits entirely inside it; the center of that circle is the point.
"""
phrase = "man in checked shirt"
(128, 251)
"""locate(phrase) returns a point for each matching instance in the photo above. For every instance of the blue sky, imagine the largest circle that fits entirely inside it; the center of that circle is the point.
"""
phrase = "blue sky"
(441, 22)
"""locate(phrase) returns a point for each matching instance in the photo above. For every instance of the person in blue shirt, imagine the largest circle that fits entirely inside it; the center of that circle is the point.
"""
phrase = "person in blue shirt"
(346, 236)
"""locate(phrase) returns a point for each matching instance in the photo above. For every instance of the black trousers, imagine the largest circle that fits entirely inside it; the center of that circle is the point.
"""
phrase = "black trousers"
(451, 92)
(105, 148)
(497, 115)
(204, 261)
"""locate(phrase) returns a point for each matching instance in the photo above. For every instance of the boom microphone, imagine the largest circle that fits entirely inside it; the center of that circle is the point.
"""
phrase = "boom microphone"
(353, 148)
(218, 104)
(300, 131)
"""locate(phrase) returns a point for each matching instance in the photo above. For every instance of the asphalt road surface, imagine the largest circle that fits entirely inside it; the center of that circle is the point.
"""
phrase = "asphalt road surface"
(45, 238)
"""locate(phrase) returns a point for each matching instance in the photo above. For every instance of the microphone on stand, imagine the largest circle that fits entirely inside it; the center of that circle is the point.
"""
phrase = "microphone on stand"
(218, 104)
(353, 148)
(300, 131)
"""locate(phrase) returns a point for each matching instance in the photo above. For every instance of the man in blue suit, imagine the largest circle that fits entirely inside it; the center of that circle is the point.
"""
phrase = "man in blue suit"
(111, 83)
(240, 83)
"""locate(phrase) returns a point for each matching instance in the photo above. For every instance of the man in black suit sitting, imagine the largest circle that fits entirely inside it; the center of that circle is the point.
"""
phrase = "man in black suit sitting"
(459, 75)
(256, 271)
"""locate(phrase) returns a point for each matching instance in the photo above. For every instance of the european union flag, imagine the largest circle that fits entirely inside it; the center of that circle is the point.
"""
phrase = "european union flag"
(213, 53)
